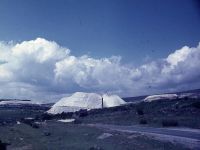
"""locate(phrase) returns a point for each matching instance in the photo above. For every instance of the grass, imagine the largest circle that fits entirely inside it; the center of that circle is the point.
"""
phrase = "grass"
(54, 135)
(196, 105)
(143, 121)
(76, 137)
(169, 123)
(182, 111)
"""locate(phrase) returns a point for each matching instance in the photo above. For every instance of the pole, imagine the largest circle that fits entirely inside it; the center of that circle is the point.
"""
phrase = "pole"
(102, 102)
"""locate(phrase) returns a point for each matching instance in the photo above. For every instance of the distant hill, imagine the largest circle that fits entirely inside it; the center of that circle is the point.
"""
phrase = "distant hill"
(139, 98)
(189, 91)
(134, 99)
(26, 100)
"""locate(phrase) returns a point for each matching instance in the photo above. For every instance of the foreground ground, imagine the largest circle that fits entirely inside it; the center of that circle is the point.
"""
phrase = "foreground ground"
(187, 137)
(53, 135)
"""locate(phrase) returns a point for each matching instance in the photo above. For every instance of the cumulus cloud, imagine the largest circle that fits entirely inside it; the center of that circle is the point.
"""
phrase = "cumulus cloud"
(42, 70)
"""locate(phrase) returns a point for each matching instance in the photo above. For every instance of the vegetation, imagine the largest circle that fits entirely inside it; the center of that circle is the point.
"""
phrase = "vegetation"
(163, 113)
(140, 111)
(169, 123)
(196, 105)
(143, 121)
(51, 134)
(55, 135)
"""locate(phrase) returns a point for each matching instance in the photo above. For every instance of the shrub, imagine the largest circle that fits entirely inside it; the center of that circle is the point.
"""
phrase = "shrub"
(140, 111)
(196, 105)
(3, 145)
(64, 115)
(47, 133)
(82, 113)
(46, 116)
(169, 123)
(143, 121)
(30, 122)
(27, 121)
(77, 121)
(34, 125)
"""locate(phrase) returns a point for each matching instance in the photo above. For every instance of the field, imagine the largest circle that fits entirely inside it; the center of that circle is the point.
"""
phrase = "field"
(45, 132)
(182, 111)
(55, 136)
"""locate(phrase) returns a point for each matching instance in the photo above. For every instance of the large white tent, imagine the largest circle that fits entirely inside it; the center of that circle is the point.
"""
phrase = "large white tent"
(80, 100)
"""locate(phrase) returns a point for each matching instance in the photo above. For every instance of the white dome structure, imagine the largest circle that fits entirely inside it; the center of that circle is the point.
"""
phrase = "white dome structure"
(80, 100)
(112, 100)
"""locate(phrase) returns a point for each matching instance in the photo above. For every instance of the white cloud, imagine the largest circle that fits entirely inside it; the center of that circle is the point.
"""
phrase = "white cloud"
(178, 56)
(40, 50)
(89, 73)
(41, 69)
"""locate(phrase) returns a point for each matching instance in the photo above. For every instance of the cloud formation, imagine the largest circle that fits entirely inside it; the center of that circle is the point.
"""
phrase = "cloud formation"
(42, 70)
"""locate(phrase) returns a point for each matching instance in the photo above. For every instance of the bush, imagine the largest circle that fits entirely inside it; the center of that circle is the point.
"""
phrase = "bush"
(95, 148)
(34, 125)
(46, 116)
(143, 121)
(77, 121)
(82, 113)
(27, 121)
(169, 123)
(196, 105)
(3, 145)
(47, 133)
(64, 115)
(140, 111)
(30, 122)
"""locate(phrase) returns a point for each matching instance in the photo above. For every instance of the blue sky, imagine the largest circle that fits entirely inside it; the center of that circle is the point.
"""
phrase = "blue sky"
(133, 29)
(124, 47)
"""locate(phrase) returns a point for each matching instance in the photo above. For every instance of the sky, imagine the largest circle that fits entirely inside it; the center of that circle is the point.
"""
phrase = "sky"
(52, 48)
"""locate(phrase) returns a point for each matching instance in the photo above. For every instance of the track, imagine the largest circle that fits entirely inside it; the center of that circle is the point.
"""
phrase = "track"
(187, 137)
